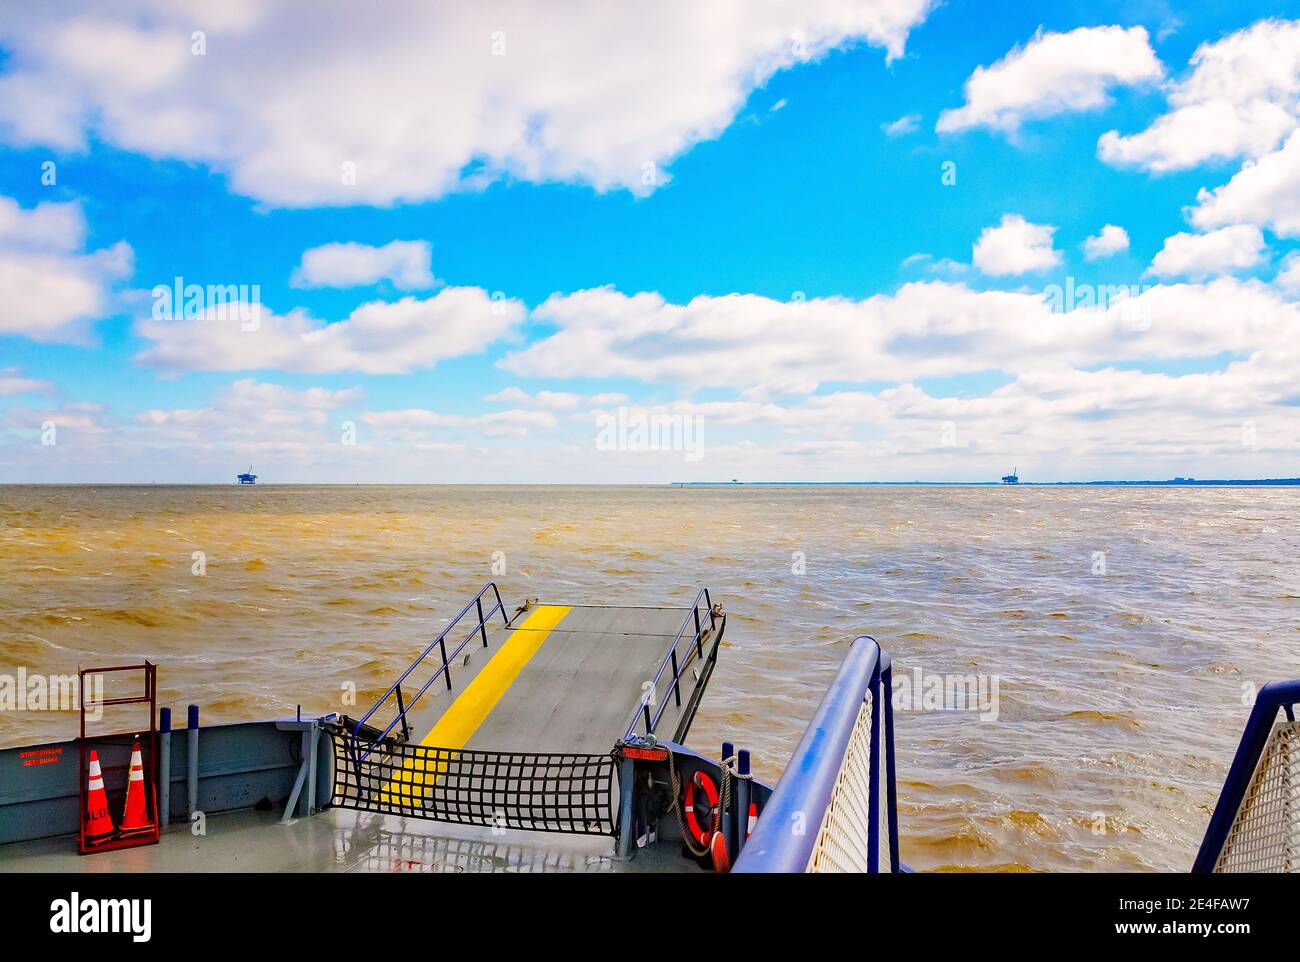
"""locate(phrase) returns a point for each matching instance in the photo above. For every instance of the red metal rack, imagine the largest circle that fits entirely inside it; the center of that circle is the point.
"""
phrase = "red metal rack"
(117, 745)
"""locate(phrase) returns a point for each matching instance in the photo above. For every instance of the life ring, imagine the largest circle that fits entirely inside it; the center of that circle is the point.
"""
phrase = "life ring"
(709, 795)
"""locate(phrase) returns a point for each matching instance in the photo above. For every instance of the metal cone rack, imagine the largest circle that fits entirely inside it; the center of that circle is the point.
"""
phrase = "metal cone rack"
(114, 750)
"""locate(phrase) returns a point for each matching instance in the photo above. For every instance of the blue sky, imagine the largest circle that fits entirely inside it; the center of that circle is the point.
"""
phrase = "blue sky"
(798, 291)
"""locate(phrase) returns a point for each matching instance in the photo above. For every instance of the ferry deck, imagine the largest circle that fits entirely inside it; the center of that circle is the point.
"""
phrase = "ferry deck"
(548, 737)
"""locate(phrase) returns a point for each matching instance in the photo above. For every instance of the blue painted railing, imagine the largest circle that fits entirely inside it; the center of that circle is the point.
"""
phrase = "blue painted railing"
(1282, 694)
(403, 705)
(647, 717)
(805, 790)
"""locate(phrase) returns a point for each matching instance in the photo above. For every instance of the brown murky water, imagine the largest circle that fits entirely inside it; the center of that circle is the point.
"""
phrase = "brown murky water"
(1121, 694)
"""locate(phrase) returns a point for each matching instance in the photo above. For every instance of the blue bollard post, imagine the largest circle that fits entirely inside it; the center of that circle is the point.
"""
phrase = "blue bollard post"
(192, 764)
(164, 766)
(742, 800)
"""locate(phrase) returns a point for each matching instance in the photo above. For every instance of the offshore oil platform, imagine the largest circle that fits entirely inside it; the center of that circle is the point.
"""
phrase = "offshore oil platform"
(547, 737)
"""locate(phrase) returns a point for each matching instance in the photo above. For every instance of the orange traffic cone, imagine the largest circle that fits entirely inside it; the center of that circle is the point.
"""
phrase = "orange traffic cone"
(136, 818)
(98, 825)
(718, 848)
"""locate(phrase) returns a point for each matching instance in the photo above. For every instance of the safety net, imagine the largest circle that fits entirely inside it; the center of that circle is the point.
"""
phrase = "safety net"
(538, 792)
(843, 840)
(1265, 835)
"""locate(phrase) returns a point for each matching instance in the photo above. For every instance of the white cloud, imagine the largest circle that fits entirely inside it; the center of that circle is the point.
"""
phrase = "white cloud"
(514, 424)
(1288, 278)
(83, 419)
(1241, 99)
(944, 267)
(1266, 193)
(424, 99)
(1236, 248)
(927, 329)
(906, 124)
(405, 263)
(553, 400)
(276, 429)
(1015, 246)
(1052, 74)
(413, 424)
(1111, 240)
(45, 227)
(1051, 420)
(48, 290)
(13, 382)
(247, 393)
(247, 404)
(377, 338)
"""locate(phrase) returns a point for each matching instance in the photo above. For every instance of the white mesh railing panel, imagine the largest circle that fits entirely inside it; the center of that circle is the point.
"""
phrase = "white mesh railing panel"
(1265, 835)
(841, 844)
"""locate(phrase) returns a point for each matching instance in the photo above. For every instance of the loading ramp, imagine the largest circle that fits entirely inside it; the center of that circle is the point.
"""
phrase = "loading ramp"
(513, 720)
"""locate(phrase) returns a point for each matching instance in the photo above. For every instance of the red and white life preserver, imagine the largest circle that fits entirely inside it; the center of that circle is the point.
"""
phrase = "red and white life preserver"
(709, 795)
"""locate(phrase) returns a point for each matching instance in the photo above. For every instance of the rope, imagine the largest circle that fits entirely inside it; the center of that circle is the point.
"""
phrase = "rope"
(728, 769)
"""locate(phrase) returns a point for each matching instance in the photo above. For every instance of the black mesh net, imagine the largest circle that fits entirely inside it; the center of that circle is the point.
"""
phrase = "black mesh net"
(560, 792)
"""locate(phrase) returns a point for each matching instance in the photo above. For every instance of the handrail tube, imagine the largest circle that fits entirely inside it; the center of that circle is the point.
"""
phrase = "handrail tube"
(477, 599)
(677, 671)
(1278, 694)
(677, 674)
(436, 642)
(444, 668)
(810, 777)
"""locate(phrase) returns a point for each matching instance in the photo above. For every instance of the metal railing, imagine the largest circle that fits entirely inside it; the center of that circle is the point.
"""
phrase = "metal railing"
(440, 643)
(644, 715)
(1256, 823)
(825, 814)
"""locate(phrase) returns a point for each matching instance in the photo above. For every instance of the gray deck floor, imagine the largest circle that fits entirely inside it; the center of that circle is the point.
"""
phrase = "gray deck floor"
(582, 688)
(578, 693)
(341, 840)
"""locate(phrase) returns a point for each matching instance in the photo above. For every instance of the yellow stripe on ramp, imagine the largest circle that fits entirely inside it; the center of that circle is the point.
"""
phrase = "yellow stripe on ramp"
(471, 708)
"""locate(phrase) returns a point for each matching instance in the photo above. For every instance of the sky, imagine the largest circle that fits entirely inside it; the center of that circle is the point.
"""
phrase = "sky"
(887, 240)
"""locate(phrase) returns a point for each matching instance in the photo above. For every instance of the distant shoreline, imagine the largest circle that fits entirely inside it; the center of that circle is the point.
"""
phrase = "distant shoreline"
(1174, 483)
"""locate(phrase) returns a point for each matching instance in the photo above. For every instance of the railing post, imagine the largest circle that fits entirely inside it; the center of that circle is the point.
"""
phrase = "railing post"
(891, 790)
(192, 762)
(164, 766)
(446, 669)
(742, 799)
(873, 778)
(505, 619)
(401, 713)
(677, 685)
(481, 626)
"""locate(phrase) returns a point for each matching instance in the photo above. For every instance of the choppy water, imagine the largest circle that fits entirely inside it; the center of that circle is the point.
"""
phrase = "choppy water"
(1121, 695)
